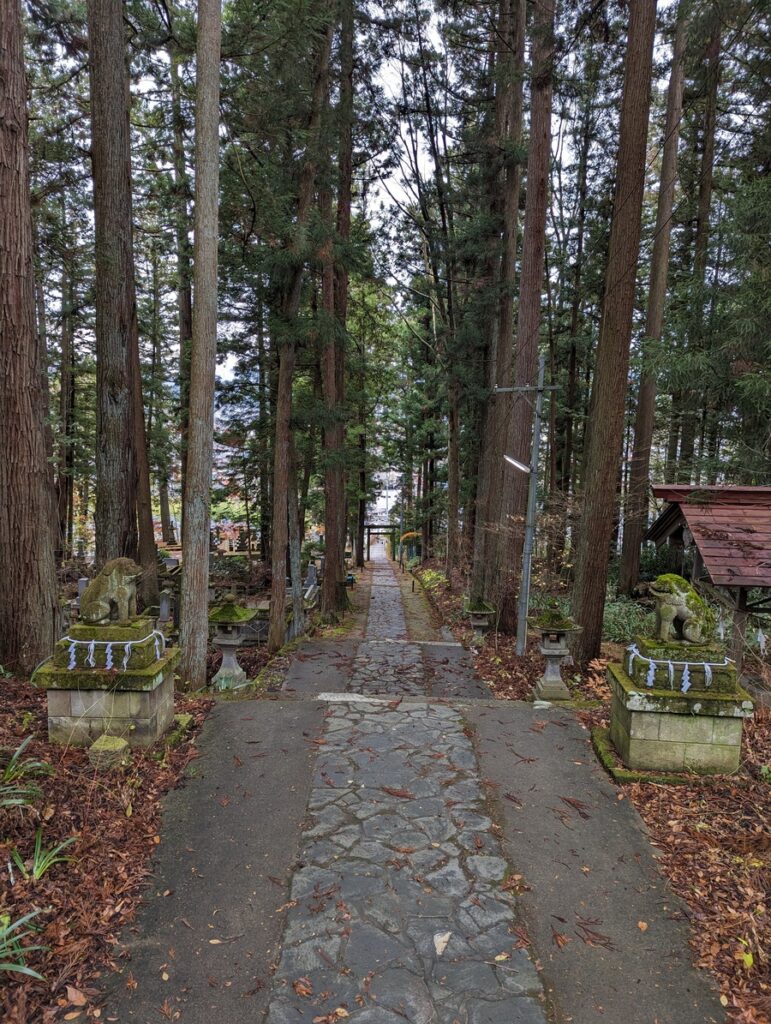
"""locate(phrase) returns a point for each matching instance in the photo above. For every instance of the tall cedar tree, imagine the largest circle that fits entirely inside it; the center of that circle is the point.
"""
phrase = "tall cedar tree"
(637, 499)
(530, 291)
(28, 599)
(287, 355)
(203, 356)
(122, 471)
(502, 198)
(606, 412)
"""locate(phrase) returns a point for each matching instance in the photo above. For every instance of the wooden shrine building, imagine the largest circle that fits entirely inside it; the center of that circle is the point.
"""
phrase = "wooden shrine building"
(729, 529)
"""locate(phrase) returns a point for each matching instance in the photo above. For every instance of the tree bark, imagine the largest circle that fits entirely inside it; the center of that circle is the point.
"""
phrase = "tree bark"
(66, 411)
(116, 314)
(184, 275)
(334, 488)
(295, 549)
(637, 501)
(529, 313)
(503, 188)
(29, 616)
(603, 443)
(194, 626)
(287, 353)
(689, 416)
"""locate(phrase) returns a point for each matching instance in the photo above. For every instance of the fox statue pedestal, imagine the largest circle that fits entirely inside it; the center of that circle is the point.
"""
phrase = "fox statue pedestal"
(110, 676)
(115, 680)
(676, 702)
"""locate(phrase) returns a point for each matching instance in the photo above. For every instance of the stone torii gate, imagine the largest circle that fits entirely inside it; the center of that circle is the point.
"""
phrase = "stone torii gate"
(382, 530)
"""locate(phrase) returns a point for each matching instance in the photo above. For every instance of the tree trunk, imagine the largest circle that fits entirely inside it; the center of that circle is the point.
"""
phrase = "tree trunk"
(295, 549)
(194, 626)
(689, 418)
(66, 411)
(184, 275)
(28, 599)
(116, 313)
(167, 526)
(503, 188)
(287, 355)
(334, 487)
(603, 443)
(637, 502)
(529, 315)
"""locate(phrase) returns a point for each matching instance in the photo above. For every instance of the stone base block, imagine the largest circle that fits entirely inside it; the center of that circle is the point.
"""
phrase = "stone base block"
(660, 731)
(109, 752)
(551, 690)
(77, 717)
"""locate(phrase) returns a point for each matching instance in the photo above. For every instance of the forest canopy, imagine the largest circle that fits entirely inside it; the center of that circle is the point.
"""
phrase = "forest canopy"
(269, 264)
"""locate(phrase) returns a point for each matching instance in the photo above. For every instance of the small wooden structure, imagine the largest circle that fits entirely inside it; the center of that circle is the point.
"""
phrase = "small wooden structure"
(730, 528)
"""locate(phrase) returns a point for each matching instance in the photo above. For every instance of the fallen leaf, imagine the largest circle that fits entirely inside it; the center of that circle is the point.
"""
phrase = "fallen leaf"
(440, 942)
(303, 987)
(643, 926)
(75, 996)
(215, 942)
(559, 939)
(402, 794)
(500, 957)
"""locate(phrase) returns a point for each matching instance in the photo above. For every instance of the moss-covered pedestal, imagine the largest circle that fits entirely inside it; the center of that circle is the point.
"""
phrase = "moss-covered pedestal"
(677, 706)
(115, 679)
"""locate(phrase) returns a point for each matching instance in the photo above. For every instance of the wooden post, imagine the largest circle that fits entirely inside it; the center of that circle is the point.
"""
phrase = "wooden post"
(739, 626)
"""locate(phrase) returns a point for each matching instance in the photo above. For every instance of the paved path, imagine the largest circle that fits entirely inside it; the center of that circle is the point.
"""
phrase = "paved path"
(384, 843)
(399, 908)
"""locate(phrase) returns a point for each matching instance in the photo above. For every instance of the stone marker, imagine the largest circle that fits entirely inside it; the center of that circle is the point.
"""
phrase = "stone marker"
(108, 752)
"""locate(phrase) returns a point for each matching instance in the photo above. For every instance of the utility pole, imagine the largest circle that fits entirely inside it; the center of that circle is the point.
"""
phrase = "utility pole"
(523, 599)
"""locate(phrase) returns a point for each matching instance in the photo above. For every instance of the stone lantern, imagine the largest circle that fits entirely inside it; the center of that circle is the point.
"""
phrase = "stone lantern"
(229, 620)
(555, 629)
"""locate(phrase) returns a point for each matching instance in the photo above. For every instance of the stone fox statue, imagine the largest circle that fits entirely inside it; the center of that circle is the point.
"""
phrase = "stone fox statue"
(112, 595)
(680, 611)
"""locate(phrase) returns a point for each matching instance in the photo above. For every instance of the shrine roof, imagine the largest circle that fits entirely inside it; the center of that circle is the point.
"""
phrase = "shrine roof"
(731, 527)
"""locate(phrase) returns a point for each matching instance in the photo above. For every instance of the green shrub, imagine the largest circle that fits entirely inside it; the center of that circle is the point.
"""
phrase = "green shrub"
(624, 619)
(432, 579)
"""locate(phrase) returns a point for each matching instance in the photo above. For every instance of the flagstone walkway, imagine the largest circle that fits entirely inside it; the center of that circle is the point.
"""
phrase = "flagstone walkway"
(344, 853)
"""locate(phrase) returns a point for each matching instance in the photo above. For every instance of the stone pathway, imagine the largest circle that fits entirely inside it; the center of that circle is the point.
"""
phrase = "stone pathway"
(399, 910)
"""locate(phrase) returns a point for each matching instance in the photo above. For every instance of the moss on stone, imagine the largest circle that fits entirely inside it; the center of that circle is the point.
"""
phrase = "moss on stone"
(49, 677)
(183, 724)
(711, 702)
(552, 619)
(113, 632)
(607, 754)
(231, 614)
